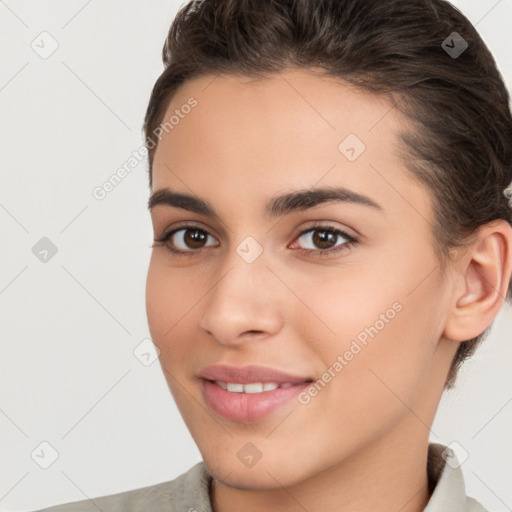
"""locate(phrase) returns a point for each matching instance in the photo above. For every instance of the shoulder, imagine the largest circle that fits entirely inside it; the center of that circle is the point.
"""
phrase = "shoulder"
(188, 490)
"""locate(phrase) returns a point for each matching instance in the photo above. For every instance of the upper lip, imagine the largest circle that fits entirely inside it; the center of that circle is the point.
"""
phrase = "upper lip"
(248, 374)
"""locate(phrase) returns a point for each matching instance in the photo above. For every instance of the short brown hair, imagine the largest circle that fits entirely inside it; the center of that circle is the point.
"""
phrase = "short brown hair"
(461, 144)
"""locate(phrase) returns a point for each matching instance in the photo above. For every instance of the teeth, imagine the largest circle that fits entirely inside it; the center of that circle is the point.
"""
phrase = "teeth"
(237, 388)
(253, 387)
(256, 387)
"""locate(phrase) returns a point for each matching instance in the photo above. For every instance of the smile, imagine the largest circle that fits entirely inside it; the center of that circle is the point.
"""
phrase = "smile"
(248, 402)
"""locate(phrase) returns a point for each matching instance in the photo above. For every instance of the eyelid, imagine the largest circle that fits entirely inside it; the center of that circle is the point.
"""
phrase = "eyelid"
(182, 225)
(328, 225)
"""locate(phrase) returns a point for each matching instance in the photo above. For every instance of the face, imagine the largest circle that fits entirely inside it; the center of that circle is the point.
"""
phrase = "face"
(342, 291)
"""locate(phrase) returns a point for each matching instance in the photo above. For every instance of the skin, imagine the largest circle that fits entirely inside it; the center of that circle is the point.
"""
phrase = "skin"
(368, 429)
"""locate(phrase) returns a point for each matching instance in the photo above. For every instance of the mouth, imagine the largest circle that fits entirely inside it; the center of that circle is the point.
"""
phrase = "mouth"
(248, 393)
(249, 402)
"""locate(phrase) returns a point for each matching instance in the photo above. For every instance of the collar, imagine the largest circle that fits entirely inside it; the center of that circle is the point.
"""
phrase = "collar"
(446, 479)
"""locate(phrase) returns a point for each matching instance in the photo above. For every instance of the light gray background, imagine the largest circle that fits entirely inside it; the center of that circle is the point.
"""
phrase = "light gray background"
(69, 326)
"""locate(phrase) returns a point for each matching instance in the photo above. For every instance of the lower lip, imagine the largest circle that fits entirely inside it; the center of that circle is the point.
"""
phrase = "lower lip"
(247, 407)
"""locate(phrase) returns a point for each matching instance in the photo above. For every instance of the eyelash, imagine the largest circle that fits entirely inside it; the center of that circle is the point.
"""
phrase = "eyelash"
(351, 241)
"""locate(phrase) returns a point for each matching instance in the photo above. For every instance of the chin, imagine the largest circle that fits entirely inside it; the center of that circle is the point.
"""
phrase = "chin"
(263, 476)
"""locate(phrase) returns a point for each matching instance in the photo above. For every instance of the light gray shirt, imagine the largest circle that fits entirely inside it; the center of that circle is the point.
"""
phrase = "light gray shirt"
(190, 492)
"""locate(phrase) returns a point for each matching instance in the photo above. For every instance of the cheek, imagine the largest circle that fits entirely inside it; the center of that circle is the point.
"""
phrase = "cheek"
(376, 330)
(169, 296)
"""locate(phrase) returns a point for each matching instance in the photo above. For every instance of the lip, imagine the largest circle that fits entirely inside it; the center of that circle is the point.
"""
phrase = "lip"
(248, 374)
(248, 407)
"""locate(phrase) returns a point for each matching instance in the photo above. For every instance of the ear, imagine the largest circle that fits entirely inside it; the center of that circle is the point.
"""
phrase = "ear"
(482, 276)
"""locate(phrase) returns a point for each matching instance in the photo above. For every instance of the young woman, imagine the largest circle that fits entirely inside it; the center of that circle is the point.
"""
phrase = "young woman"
(332, 240)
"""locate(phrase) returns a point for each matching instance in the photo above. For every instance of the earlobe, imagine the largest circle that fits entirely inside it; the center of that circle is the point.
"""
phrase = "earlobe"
(483, 274)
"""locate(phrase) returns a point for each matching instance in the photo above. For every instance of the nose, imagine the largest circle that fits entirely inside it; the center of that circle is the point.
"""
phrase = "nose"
(244, 302)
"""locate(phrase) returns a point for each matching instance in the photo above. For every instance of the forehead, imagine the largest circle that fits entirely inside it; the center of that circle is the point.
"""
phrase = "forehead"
(295, 108)
(286, 131)
(298, 98)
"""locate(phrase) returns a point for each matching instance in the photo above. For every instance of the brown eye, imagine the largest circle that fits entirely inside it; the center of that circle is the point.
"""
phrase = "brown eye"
(324, 239)
(194, 239)
(189, 239)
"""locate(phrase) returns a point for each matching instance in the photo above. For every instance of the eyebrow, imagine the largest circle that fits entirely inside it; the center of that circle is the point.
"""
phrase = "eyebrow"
(277, 206)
